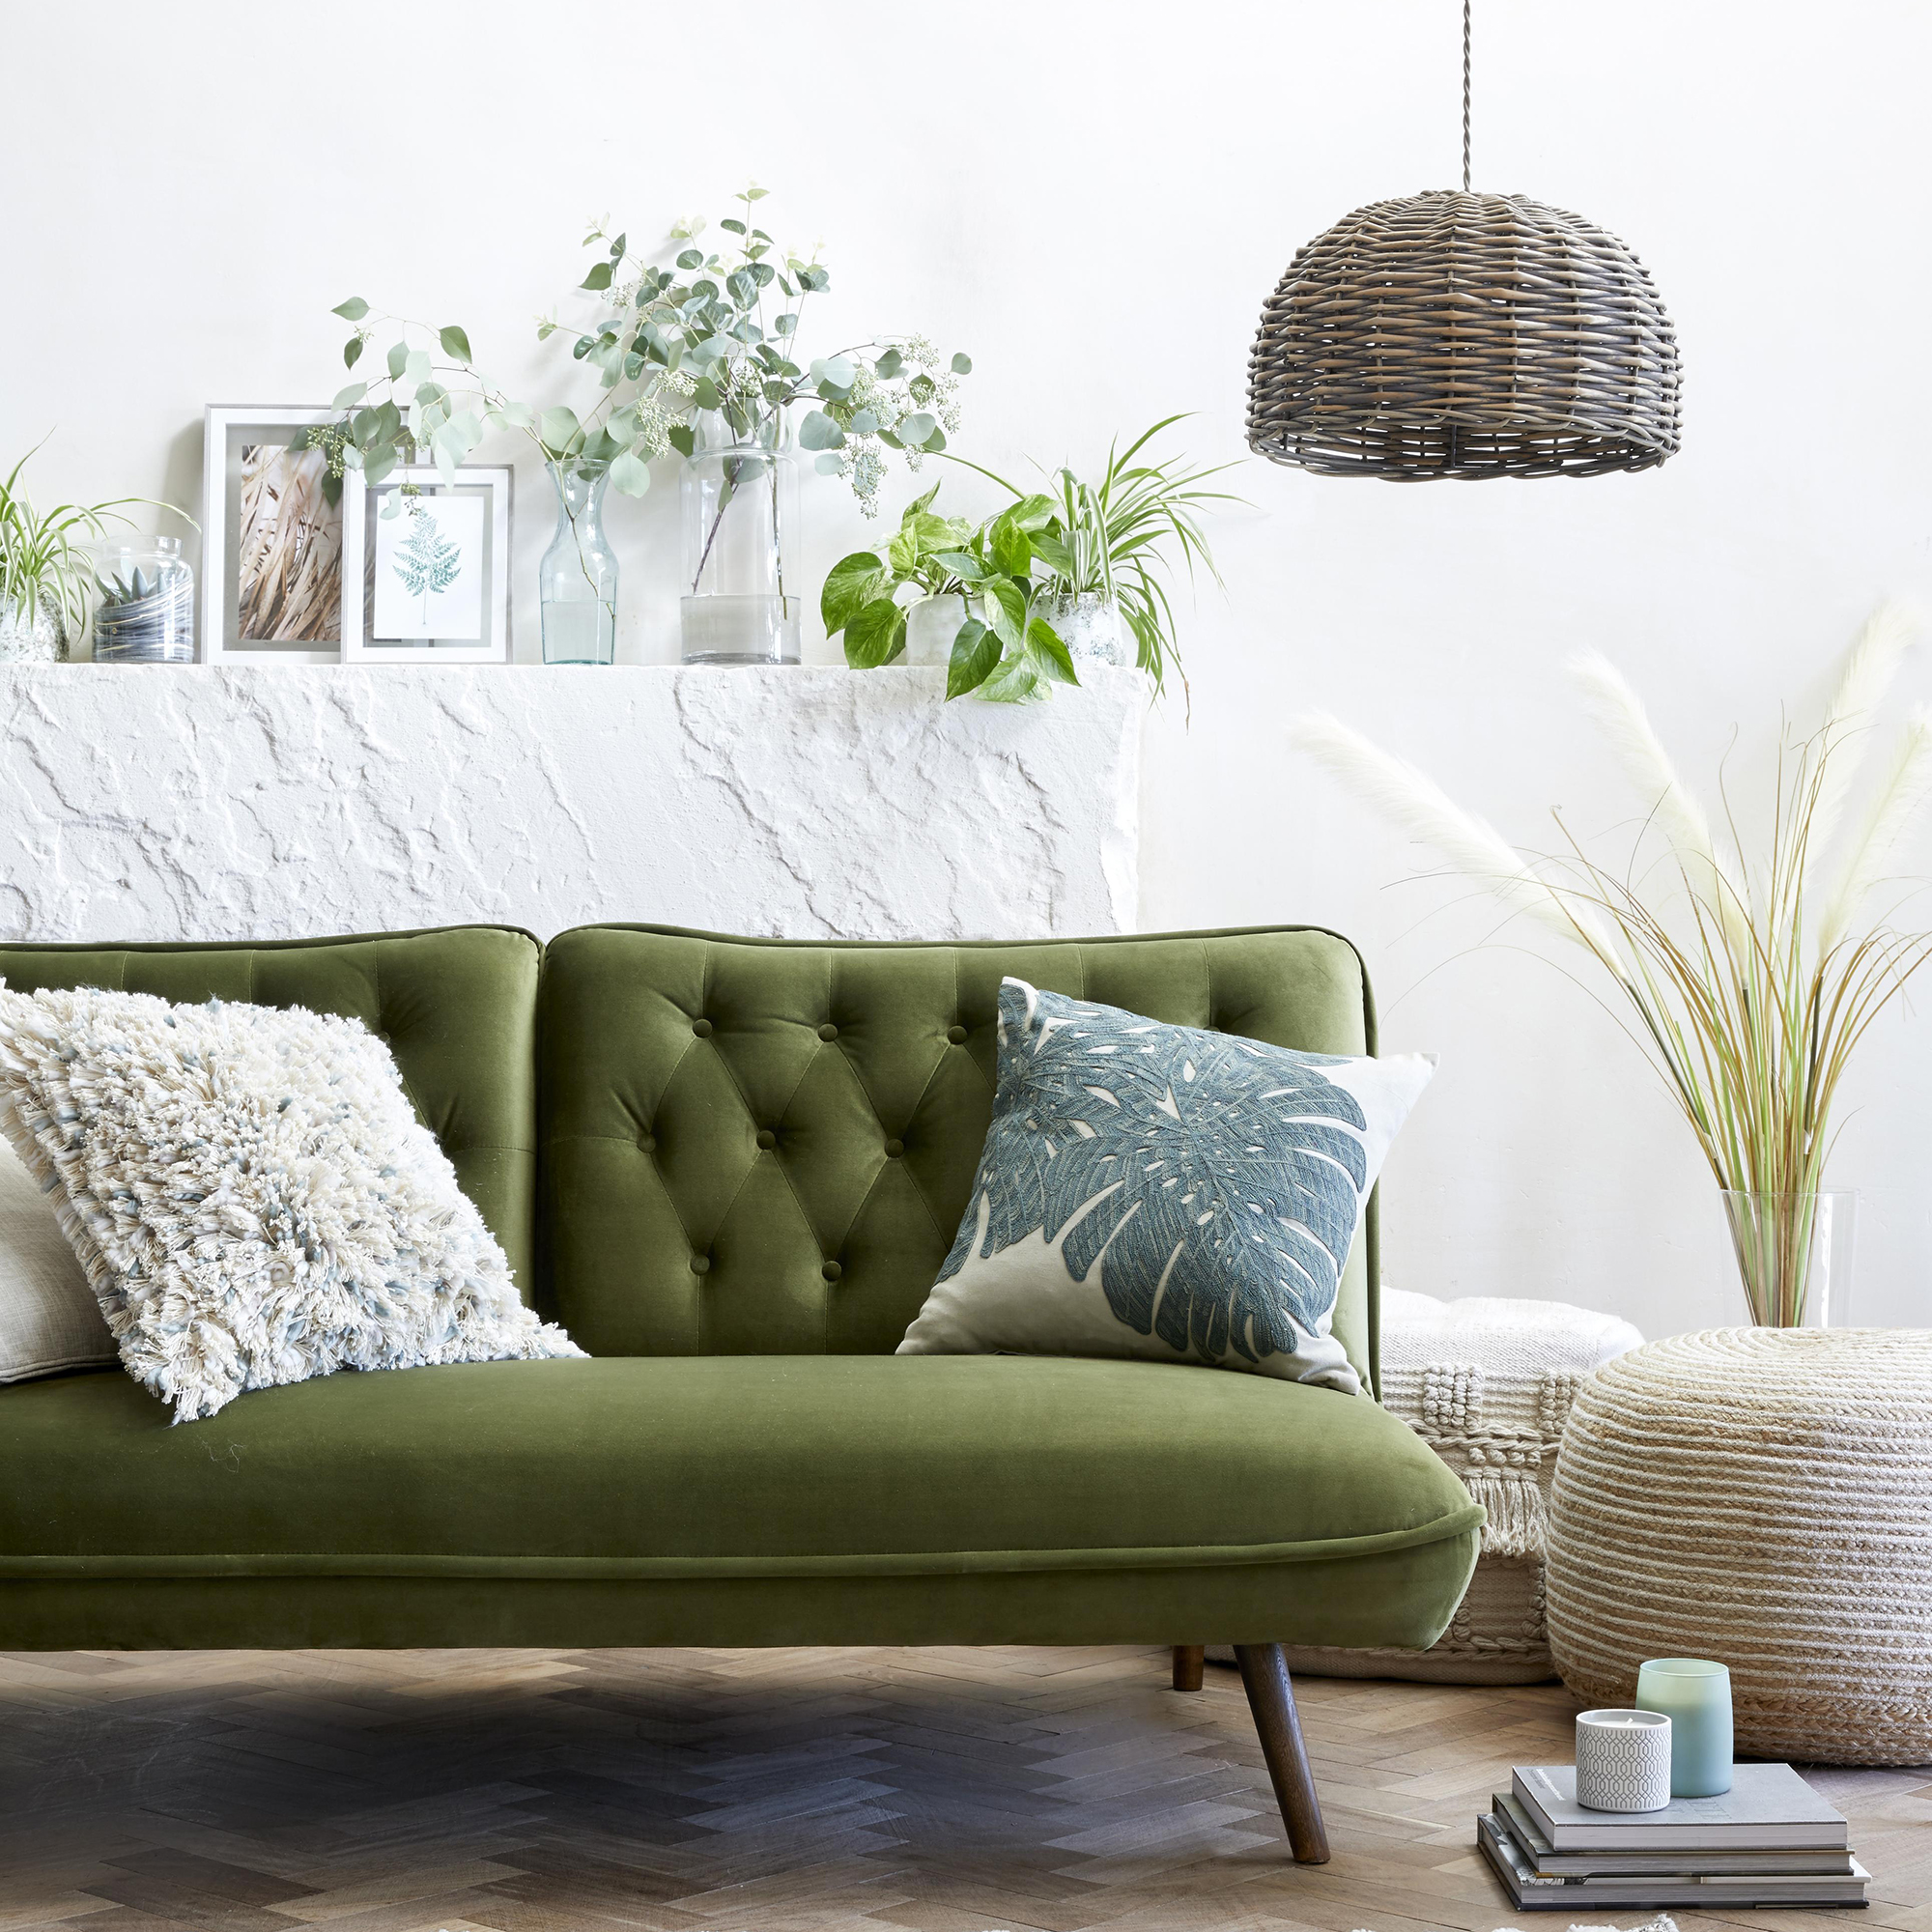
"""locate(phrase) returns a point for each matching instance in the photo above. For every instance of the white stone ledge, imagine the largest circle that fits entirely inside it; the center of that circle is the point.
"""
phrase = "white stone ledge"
(208, 802)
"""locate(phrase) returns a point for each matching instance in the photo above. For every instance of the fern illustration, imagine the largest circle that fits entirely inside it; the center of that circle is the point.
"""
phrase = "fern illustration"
(1216, 1181)
(427, 564)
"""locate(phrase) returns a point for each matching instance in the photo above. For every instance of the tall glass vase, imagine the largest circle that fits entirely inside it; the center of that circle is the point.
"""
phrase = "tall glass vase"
(576, 581)
(741, 603)
(1795, 1254)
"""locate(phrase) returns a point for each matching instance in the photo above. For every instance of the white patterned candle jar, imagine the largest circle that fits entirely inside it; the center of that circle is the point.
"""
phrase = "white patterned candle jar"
(1623, 1760)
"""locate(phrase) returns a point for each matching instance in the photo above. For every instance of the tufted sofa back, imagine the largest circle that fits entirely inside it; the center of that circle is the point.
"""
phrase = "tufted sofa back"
(457, 1007)
(765, 1146)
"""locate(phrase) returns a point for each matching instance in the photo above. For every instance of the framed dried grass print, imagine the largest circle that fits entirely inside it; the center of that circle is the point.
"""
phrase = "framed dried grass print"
(274, 589)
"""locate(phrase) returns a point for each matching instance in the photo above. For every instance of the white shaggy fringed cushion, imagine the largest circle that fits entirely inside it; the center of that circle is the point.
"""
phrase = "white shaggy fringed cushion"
(251, 1195)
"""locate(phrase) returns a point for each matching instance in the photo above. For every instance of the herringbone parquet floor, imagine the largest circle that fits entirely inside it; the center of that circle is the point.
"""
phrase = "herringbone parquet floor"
(786, 1791)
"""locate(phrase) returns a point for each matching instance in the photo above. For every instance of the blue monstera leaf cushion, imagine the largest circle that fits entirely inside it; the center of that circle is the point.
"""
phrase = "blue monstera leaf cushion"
(1164, 1192)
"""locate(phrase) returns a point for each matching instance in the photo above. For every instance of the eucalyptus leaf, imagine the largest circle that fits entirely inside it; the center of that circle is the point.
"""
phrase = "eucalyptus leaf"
(351, 310)
(399, 360)
(599, 276)
(917, 429)
(828, 465)
(378, 463)
(352, 352)
(347, 399)
(559, 430)
(962, 365)
(454, 342)
(817, 431)
(889, 365)
(631, 473)
(418, 368)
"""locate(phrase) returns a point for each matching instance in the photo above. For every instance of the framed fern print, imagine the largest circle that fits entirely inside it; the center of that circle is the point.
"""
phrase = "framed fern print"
(436, 568)
(1164, 1192)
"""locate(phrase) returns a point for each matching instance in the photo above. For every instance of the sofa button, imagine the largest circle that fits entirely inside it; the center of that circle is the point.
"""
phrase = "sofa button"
(893, 1149)
(828, 1031)
(832, 1270)
(956, 1035)
(767, 1140)
(701, 1027)
(701, 1263)
(647, 1143)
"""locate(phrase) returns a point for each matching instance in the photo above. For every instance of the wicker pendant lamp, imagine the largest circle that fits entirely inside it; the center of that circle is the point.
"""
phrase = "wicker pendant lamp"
(1468, 335)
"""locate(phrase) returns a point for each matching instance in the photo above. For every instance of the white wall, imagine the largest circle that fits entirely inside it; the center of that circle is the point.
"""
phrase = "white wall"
(1094, 200)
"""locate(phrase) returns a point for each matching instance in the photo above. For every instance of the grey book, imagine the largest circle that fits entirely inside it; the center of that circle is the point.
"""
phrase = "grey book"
(1768, 1809)
(1548, 1863)
(1530, 1893)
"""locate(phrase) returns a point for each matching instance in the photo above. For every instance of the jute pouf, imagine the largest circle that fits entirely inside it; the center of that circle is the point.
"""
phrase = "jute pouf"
(1762, 1497)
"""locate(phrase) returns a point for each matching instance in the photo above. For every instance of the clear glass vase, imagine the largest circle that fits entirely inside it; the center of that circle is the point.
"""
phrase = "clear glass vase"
(740, 505)
(1795, 1255)
(143, 602)
(576, 581)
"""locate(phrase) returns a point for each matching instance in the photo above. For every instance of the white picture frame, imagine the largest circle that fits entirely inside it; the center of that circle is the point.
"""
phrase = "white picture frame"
(493, 486)
(231, 486)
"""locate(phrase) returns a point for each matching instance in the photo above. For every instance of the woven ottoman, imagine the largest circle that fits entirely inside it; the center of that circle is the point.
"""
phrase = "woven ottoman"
(1486, 1383)
(1762, 1496)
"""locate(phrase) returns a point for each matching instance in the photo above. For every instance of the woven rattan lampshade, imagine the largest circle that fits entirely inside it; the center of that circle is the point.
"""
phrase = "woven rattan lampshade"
(1447, 335)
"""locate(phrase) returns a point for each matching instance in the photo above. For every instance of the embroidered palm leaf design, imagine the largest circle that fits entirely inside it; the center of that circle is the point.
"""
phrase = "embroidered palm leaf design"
(1213, 1179)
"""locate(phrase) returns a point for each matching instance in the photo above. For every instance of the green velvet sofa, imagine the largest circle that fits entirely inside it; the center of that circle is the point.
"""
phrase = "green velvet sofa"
(732, 1168)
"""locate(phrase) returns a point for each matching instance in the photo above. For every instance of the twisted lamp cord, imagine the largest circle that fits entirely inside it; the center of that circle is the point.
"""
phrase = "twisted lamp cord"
(1466, 96)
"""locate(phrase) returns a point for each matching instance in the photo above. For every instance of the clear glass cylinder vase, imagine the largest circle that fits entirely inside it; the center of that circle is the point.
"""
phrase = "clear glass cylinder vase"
(1795, 1255)
(143, 602)
(739, 501)
(576, 581)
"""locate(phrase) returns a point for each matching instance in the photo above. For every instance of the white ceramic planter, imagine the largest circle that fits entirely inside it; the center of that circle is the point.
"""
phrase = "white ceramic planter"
(1091, 626)
(932, 625)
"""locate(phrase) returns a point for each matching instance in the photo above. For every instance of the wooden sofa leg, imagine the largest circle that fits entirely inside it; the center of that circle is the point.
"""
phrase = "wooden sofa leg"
(1190, 1661)
(1272, 1698)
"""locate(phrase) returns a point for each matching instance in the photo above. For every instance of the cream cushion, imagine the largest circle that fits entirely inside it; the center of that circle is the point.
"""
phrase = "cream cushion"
(49, 1320)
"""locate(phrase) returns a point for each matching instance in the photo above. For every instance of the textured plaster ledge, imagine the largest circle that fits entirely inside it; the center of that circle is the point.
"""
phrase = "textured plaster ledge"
(216, 803)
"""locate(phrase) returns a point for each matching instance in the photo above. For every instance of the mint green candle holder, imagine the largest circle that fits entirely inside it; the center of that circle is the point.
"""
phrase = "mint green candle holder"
(1695, 1695)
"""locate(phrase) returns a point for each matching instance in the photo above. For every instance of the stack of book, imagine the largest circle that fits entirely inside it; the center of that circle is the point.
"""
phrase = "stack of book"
(1769, 1840)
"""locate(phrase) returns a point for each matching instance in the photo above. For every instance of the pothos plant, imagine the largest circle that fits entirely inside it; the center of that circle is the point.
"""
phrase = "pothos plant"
(714, 333)
(1005, 651)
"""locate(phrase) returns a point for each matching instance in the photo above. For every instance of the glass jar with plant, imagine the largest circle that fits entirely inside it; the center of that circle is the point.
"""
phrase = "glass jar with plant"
(48, 575)
(712, 339)
(977, 613)
(1748, 977)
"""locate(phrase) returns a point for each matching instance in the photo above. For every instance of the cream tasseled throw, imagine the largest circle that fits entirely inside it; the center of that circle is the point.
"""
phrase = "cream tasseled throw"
(1486, 1383)
(1762, 1497)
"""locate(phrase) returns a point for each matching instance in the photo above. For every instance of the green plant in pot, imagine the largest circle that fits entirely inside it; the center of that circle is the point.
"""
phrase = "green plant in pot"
(47, 568)
(1110, 548)
(976, 612)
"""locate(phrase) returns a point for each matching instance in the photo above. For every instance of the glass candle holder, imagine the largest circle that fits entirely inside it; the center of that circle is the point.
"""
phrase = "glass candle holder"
(1695, 1695)
(1623, 1760)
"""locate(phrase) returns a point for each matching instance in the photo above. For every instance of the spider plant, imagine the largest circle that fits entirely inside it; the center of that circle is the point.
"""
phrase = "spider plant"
(1748, 977)
(44, 565)
(1120, 537)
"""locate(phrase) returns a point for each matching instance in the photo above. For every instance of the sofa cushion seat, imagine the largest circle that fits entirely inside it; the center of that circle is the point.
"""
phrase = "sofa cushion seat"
(952, 1483)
